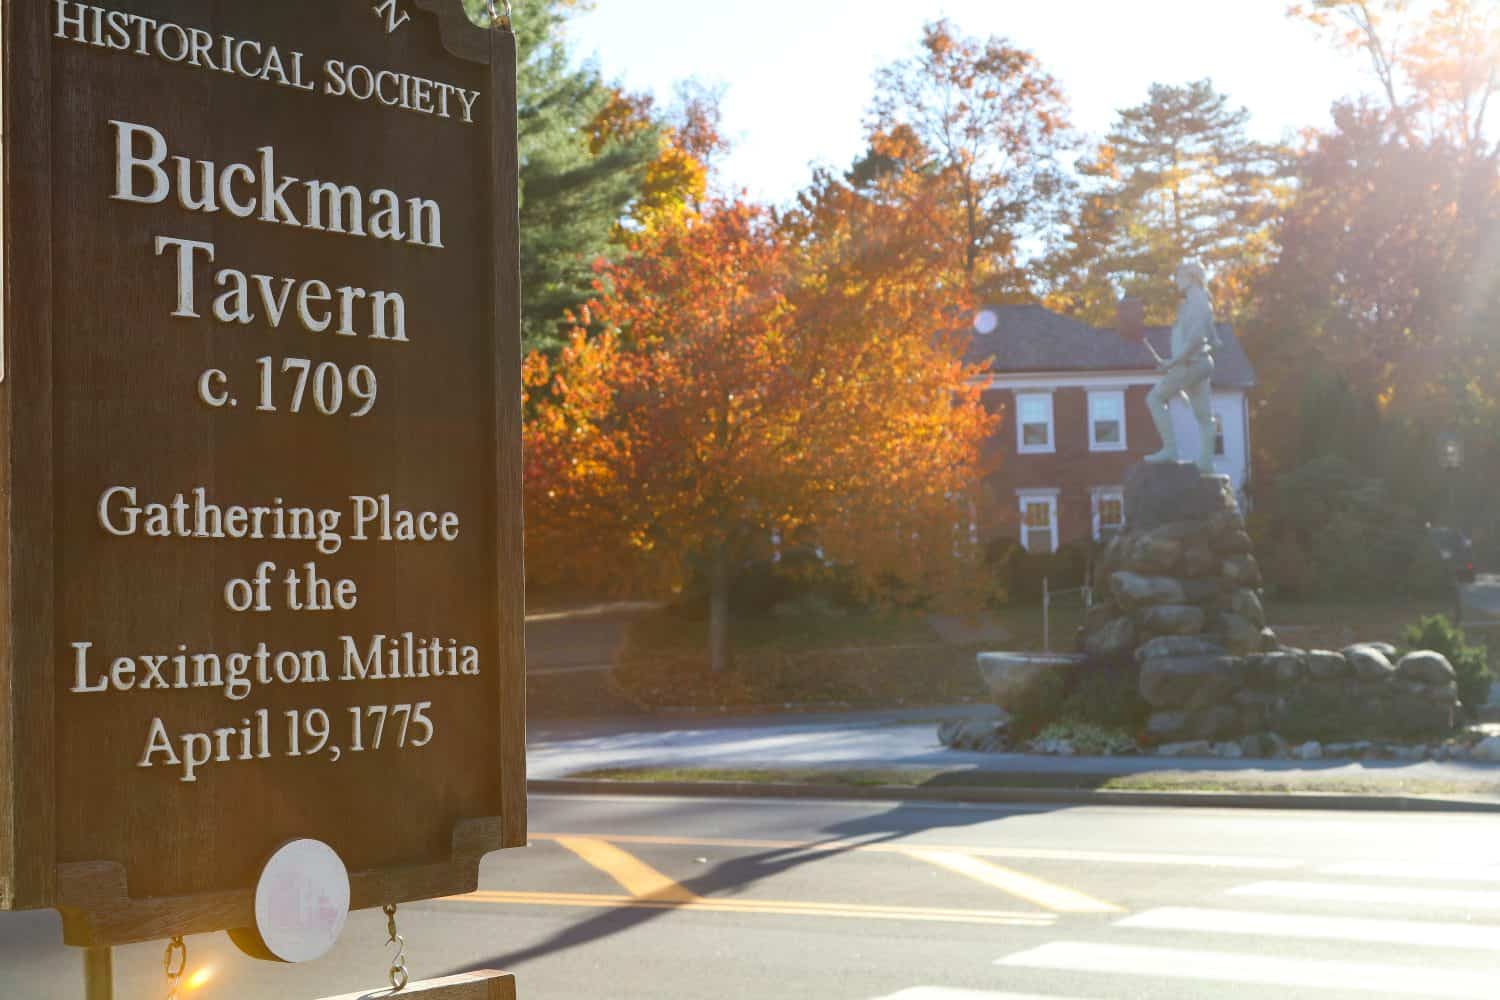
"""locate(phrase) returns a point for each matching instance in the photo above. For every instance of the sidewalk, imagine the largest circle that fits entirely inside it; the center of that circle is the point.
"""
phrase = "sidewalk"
(901, 747)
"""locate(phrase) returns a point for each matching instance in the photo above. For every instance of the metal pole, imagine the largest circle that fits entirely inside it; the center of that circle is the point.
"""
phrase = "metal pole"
(99, 974)
(1046, 619)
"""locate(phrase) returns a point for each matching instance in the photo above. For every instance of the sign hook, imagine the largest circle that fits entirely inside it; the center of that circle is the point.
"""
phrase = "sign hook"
(398, 975)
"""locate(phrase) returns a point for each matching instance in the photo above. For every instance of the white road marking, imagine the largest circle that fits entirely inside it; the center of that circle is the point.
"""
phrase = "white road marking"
(1233, 967)
(1331, 892)
(1364, 929)
(840, 846)
(947, 993)
(1427, 871)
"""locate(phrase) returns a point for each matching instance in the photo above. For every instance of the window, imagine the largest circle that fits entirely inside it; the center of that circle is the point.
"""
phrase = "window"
(1034, 422)
(1107, 420)
(1039, 521)
(1109, 511)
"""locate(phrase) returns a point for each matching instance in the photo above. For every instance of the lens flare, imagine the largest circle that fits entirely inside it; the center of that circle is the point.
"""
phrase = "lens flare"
(198, 979)
(985, 321)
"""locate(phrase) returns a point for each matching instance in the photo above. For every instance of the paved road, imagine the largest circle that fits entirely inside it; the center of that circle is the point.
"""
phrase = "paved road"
(622, 898)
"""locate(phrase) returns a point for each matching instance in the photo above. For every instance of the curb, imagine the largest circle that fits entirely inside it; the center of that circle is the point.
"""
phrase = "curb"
(1019, 796)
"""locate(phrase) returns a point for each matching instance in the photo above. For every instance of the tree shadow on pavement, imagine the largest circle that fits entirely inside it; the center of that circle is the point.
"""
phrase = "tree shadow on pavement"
(731, 878)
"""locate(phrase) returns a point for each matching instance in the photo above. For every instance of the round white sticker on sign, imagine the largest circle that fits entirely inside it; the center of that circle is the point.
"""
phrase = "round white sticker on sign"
(302, 901)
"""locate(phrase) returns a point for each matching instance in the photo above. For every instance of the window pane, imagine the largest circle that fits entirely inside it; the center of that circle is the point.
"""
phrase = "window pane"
(1111, 512)
(1107, 431)
(1033, 409)
(1039, 515)
(1034, 433)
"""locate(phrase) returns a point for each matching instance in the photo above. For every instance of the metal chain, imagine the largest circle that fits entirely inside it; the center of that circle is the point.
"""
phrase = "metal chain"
(498, 19)
(177, 948)
(398, 974)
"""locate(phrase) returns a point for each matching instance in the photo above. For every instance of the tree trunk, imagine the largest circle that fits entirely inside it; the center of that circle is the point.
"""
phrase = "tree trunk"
(718, 610)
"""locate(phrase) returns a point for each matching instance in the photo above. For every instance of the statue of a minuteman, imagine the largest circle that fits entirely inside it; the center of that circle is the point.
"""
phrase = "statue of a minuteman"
(1189, 371)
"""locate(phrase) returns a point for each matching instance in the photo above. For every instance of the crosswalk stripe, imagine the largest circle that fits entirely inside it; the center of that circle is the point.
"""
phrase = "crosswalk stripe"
(948, 993)
(1333, 892)
(1034, 890)
(1262, 970)
(1364, 929)
(1430, 871)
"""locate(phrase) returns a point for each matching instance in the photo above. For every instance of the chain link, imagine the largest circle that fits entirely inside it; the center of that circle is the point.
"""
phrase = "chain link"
(398, 975)
(174, 964)
(497, 19)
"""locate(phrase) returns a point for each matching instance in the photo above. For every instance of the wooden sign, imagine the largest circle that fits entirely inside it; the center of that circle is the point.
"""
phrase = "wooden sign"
(464, 986)
(260, 492)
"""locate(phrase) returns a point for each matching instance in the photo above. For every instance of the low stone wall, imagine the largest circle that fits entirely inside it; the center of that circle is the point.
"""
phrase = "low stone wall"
(1199, 692)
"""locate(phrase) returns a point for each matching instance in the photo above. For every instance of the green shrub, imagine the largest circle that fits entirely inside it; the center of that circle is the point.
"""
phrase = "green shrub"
(1089, 739)
(1107, 695)
(1038, 708)
(1470, 662)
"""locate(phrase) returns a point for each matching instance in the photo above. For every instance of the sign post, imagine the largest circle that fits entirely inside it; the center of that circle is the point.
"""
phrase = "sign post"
(260, 489)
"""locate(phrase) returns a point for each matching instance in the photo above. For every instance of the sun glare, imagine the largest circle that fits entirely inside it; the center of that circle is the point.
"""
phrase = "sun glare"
(198, 979)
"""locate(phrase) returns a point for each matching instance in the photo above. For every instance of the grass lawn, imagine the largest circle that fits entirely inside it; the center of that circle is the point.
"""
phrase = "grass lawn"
(665, 631)
(1163, 781)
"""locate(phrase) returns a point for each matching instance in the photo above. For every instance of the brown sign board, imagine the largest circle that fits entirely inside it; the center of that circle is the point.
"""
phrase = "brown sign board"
(260, 529)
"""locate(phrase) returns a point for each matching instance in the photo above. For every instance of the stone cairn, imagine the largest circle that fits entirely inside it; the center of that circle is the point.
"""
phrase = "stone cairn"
(1179, 592)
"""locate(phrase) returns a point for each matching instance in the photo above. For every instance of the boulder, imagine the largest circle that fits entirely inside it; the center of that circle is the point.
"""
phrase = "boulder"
(1188, 748)
(1442, 694)
(1234, 543)
(1014, 675)
(1246, 603)
(1229, 751)
(1216, 723)
(1290, 665)
(1189, 681)
(1133, 590)
(1369, 663)
(1115, 638)
(1426, 667)
(971, 734)
(1241, 635)
(1172, 619)
(1155, 552)
(1165, 726)
(1178, 645)
(1324, 664)
(1487, 749)
(1198, 562)
(1311, 750)
(1241, 571)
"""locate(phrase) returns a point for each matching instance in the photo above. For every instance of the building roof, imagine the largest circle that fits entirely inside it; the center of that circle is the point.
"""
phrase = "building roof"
(1031, 339)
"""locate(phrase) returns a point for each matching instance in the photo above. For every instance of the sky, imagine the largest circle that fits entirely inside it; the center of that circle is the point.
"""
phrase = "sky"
(799, 74)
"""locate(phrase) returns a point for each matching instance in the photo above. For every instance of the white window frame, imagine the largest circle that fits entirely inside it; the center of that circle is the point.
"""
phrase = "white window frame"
(1099, 494)
(1048, 496)
(1118, 396)
(1036, 449)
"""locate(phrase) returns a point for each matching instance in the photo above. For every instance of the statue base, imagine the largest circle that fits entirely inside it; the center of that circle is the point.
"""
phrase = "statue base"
(1158, 493)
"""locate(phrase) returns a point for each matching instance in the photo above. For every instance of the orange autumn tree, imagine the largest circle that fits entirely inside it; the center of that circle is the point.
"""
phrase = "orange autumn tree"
(752, 377)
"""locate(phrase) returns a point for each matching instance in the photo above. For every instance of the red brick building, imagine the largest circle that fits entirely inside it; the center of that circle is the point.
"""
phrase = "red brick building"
(1074, 419)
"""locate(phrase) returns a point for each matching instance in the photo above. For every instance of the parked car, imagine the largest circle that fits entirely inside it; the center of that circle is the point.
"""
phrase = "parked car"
(1456, 549)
